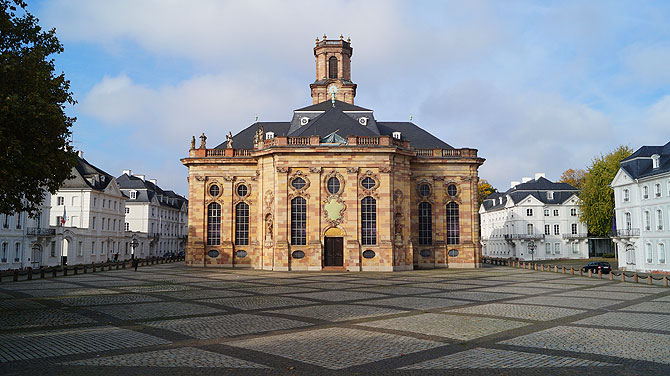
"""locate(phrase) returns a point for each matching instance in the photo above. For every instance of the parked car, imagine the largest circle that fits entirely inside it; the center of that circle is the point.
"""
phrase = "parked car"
(181, 254)
(595, 266)
(168, 255)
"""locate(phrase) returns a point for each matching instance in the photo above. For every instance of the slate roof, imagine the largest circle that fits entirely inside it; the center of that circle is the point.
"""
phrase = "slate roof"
(146, 191)
(535, 188)
(87, 175)
(640, 165)
(342, 119)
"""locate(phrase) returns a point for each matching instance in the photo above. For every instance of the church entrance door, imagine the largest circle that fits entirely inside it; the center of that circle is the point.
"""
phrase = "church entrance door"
(333, 252)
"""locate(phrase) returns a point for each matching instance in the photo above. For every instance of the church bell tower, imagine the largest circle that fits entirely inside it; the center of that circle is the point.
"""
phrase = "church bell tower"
(333, 71)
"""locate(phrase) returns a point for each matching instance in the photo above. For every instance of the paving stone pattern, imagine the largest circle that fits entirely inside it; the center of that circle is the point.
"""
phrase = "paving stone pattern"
(170, 319)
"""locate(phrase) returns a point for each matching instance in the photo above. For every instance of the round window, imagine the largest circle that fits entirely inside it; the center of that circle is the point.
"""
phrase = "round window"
(451, 189)
(424, 190)
(298, 183)
(368, 183)
(333, 185)
(242, 190)
(214, 190)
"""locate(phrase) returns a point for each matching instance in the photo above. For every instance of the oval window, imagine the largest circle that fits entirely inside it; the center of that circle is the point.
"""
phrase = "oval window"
(451, 189)
(424, 190)
(368, 254)
(333, 185)
(213, 253)
(298, 254)
(425, 253)
(368, 183)
(298, 183)
(241, 254)
(453, 252)
(242, 190)
(214, 190)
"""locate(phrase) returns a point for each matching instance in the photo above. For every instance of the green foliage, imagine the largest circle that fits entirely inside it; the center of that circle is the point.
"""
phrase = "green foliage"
(597, 197)
(34, 129)
(608, 255)
(573, 177)
(484, 189)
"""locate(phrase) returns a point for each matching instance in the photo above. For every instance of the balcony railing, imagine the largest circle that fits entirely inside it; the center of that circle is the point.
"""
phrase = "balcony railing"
(627, 233)
(38, 231)
(511, 237)
(576, 236)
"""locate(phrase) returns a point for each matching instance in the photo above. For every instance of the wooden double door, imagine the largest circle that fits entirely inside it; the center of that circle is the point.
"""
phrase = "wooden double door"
(333, 254)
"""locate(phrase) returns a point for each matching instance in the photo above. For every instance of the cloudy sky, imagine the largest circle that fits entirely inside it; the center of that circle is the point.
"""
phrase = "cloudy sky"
(536, 86)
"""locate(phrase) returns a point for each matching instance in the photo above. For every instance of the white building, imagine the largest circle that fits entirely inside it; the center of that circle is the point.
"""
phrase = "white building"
(93, 207)
(27, 242)
(535, 212)
(158, 214)
(642, 209)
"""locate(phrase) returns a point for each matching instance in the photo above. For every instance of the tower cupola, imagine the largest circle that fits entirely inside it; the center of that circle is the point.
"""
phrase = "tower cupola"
(333, 71)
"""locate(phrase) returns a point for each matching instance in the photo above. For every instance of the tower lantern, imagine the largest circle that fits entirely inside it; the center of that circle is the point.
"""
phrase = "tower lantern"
(333, 71)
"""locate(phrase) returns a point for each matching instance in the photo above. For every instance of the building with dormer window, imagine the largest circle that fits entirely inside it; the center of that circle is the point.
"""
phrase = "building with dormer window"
(333, 188)
(536, 219)
(642, 210)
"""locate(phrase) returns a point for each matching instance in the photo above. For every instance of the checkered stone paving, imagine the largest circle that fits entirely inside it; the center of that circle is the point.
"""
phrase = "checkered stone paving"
(495, 359)
(337, 348)
(520, 311)
(33, 345)
(170, 319)
(182, 357)
(226, 326)
(619, 343)
(460, 328)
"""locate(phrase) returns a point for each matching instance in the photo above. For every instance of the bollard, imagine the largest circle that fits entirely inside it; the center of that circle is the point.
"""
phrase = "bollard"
(623, 277)
(41, 273)
(572, 270)
(93, 269)
(76, 271)
(589, 273)
(30, 274)
(555, 268)
(649, 282)
(581, 272)
(611, 276)
(123, 266)
(563, 269)
(54, 272)
(117, 266)
(600, 274)
(16, 275)
(635, 277)
(65, 271)
(665, 281)
(85, 267)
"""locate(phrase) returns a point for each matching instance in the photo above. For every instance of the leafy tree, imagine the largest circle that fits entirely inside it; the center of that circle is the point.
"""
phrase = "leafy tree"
(573, 177)
(597, 197)
(485, 189)
(34, 129)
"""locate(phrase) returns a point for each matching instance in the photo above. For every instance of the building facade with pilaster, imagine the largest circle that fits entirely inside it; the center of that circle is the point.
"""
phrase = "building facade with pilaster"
(333, 188)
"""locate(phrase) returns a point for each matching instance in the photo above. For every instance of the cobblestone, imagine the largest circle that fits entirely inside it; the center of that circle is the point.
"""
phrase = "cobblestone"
(153, 310)
(226, 326)
(652, 307)
(594, 293)
(258, 302)
(460, 328)
(520, 311)
(107, 299)
(40, 318)
(495, 359)
(569, 302)
(68, 292)
(630, 320)
(619, 343)
(473, 295)
(415, 302)
(19, 304)
(337, 348)
(338, 312)
(338, 296)
(182, 357)
(203, 294)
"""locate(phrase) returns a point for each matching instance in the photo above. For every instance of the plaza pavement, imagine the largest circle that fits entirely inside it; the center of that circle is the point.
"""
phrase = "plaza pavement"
(174, 320)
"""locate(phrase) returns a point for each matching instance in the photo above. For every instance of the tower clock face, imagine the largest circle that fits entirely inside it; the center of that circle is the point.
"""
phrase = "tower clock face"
(332, 89)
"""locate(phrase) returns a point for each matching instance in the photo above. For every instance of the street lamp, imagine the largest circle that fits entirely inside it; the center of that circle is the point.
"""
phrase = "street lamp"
(531, 250)
(133, 245)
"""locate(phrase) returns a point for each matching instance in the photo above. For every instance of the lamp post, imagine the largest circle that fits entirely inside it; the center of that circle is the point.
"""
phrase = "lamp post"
(531, 250)
(133, 245)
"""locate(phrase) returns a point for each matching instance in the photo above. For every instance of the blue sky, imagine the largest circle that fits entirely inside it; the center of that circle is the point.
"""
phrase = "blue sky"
(536, 86)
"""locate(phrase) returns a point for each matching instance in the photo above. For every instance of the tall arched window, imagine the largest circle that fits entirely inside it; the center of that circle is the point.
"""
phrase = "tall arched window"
(425, 224)
(332, 67)
(629, 221)
(368, 221)
(242, 224)
(213, 224)
(453, 232)
(298, 221)
(661, 253)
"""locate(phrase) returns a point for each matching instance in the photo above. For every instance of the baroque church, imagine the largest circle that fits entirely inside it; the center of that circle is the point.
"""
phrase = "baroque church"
(333, 189)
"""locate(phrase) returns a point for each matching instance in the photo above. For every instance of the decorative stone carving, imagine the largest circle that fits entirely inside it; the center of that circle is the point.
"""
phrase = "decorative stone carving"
(269, 201)
(192, 143)
(431, 197)
(203, 141)
(229, 140)
(282, 170)
(315, 170)
(371, 191)
(228, 178)
(269, 228)
(385, 169)
(352, 170)
(199, 177)
(329, 175)
(438, 178)
(295, 191)
(333, 210)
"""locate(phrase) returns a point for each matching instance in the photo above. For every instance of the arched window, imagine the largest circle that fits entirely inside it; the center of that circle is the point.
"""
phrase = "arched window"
(332, 67)
(368, 221)
(242, 224)
(213, 224)
(650, 254)
(530, 229)
(425, 224)
(659, 220)
(629, 221)
(453, 232)
(298, 221)
(661, 253)
(647, 221)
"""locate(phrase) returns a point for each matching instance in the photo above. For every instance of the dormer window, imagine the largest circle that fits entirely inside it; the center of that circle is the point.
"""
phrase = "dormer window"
(655, 160)
(304, 120)
(269, 135)
(550, 195)
(363, 121)
(133, 195)
(397, 135)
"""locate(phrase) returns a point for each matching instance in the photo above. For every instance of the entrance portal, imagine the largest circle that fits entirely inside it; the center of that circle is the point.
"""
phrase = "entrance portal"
(333, 252)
